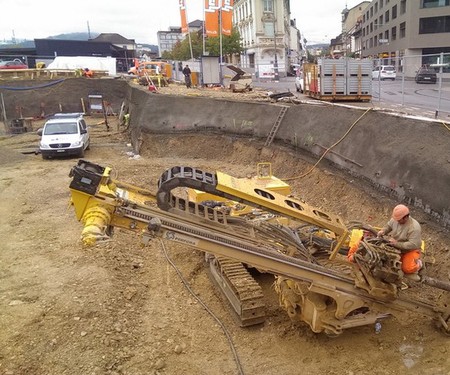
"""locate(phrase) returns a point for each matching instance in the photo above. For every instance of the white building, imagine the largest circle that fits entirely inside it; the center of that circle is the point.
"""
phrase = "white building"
(265, 29)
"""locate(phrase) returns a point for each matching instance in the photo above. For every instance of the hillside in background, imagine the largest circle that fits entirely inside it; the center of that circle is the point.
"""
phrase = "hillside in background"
(68, 36)
(74, 36)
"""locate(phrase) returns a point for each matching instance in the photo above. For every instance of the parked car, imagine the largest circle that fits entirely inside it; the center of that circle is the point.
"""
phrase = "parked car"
(299, 82)
(64, 134)
(13, 64)
(383, 72)
(426, 75)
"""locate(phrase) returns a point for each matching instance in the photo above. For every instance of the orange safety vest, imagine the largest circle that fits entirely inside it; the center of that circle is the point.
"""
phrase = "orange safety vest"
(411, 261)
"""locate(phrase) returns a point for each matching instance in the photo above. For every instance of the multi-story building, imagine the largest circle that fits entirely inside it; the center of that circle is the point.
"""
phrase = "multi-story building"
(264, 26)
(407, 34)
(295, 48)
(168, 39)
(351, 18)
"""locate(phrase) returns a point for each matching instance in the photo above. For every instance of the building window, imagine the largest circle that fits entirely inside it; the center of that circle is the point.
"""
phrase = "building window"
(371, 27)
(435, 3)
(386, 35)
(394, 33)
(402, 30)
(386, 17)
(381, 4)
(269, 29)
(376, 7)
(268, 6)
(394, 12)
(433, 25)
(402, 7)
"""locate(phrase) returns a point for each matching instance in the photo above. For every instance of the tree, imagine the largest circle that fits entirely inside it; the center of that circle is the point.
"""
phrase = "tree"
(182, 51)
(231, 45)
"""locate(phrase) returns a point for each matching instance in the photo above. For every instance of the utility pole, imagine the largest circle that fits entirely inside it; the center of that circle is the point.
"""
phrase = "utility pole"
(220, 46)
(275, 62)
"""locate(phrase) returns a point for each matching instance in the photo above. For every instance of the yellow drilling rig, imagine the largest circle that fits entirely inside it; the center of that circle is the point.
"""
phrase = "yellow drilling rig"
(256, 222)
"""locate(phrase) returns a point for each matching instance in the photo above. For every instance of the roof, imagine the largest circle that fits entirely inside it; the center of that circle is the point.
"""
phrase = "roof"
(112, 38)
(196, 23)
(47, 47)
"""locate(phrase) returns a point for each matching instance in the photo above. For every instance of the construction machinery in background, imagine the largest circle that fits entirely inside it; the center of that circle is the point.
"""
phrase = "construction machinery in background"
(241, 81)
(243, 223)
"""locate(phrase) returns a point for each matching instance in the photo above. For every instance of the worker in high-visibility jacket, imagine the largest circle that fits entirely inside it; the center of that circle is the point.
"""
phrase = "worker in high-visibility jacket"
(405, 234)
(88, 73)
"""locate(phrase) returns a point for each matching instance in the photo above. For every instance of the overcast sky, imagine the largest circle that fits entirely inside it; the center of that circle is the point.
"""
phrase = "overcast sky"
(319, 20)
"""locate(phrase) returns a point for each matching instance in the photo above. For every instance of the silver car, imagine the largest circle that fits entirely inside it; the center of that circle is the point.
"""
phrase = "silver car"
(383, 72)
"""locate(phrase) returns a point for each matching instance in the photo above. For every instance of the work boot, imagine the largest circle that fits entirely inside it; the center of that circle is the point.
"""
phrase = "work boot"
(412, 276)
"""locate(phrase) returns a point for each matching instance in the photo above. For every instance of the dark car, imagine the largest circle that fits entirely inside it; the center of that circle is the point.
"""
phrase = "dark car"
(13, 64)
(426, 75)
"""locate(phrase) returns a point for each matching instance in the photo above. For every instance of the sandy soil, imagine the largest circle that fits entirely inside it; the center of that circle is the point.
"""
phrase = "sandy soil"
(121, 308)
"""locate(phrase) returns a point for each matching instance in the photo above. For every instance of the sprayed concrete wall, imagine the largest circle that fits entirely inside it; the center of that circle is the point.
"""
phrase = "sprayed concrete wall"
(405, 157)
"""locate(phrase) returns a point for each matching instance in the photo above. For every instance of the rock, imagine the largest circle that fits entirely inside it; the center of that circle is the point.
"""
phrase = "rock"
(160, 364)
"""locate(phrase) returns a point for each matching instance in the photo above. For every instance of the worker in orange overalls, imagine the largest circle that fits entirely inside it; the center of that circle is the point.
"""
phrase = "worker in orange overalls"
(88, 73)
(405, 234)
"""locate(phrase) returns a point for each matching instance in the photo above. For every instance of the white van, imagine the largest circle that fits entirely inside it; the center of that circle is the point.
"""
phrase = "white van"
(64, 134)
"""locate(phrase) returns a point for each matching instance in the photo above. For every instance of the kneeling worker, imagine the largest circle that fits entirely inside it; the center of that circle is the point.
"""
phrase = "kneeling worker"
(405, 234)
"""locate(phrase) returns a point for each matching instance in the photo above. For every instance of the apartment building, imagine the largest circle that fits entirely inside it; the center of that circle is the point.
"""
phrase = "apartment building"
(168, 38)
(351, 21)
(265, 29)
(406, 33)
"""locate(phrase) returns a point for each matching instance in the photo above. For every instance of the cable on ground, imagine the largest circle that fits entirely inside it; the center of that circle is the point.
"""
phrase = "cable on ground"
(208, 310)
(329, 148)
(443, 123)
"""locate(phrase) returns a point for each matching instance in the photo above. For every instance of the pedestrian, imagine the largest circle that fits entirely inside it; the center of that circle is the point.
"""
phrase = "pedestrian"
(187, 76)
(405, 234)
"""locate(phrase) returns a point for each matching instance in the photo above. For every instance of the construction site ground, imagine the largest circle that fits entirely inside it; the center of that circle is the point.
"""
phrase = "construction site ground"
(121, 308)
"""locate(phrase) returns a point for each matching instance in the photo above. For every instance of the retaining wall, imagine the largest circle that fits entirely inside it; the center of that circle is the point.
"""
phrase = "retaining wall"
(406, 157)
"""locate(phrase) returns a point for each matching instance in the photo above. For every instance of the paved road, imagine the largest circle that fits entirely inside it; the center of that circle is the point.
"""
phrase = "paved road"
(403, 96)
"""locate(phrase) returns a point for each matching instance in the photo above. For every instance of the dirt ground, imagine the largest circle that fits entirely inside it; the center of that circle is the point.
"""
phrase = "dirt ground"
(121, 308)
